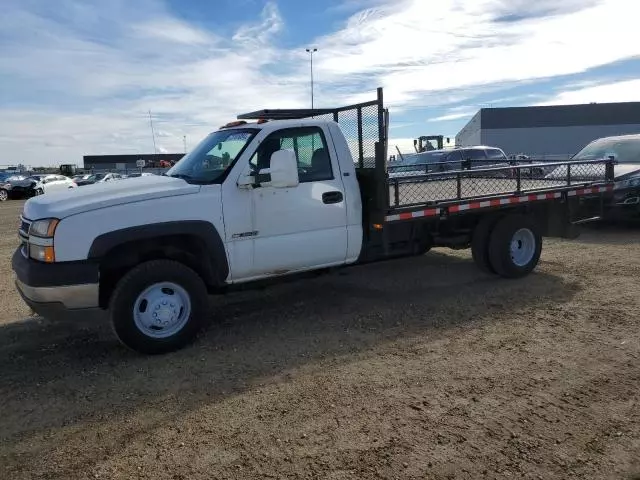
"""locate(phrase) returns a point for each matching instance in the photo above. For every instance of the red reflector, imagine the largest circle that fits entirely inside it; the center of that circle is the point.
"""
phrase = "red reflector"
(234, 124)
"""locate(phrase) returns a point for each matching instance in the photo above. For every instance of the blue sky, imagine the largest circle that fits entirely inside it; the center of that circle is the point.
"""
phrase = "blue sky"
(79, 76)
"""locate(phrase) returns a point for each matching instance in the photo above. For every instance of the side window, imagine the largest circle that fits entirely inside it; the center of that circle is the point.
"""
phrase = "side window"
(310, 147)
(495, 154)
(474, 154)
(454, 156)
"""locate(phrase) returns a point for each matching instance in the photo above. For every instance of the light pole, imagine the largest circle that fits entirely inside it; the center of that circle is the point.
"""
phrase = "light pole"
(311, 51)
(184, 141)
(153, 135)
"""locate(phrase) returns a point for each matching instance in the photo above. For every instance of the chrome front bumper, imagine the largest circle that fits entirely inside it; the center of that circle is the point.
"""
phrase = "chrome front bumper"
(70, 297)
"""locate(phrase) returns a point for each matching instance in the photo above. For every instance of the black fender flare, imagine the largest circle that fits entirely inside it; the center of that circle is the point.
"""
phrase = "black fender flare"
(203, 230)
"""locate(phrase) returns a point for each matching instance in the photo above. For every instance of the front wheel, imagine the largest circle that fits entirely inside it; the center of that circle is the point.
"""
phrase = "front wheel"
(4, 195)
(158, 306)
(515, 245)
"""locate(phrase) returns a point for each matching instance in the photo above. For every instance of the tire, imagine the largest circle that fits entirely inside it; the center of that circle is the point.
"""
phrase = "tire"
(4, 195)
(156, 285)
(480, 243)
(515, 245)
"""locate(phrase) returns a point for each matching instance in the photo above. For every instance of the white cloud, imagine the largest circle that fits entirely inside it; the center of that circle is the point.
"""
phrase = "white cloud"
(452, 116)
(412, 48)
(93, 69)
(261, 32)
(172, 30)
(626, 91)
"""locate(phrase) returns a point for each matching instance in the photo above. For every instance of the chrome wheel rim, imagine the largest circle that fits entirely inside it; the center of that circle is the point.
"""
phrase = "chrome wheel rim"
(3, 195)
(162, 310)
(523, 247)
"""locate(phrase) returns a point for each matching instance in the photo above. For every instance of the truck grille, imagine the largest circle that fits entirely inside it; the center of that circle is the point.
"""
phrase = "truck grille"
(23, 233)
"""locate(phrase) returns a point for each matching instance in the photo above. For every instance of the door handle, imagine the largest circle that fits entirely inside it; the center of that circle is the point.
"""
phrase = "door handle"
(332, 197)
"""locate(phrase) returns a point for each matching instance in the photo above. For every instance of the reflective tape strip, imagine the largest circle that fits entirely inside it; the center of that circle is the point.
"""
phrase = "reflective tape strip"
(429, 212)
(525, 198)
(498, 202)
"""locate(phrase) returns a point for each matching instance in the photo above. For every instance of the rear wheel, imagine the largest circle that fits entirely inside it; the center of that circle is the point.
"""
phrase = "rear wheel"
(515, 245)
(158, 306)
(480, 243)
(4, 195)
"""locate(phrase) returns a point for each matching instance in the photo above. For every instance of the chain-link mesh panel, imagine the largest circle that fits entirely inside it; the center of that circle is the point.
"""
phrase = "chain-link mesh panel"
(360, 128)
(477, 183)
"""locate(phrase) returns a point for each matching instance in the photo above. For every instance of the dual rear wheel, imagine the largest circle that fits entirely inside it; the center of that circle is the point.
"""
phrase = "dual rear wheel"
(508, 246)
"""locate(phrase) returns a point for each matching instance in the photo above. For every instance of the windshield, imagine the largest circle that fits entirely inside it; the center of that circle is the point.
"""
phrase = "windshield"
(625, 150)
(213, 156)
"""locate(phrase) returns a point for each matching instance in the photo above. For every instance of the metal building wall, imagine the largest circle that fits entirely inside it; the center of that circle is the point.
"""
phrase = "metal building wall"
(550, 141)
(471, 132)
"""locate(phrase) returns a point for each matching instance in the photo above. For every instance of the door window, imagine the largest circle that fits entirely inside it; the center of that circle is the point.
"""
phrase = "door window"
(495, 154)
(310, 147)
(474, 154)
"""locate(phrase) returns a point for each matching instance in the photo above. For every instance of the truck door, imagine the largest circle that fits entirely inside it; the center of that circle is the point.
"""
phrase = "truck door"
(303, 227)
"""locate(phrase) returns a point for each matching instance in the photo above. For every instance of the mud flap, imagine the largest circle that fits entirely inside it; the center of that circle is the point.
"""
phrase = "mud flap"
(564, 220)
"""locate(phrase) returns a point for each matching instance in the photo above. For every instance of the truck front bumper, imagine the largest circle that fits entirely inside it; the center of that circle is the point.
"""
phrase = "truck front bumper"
(69, 289)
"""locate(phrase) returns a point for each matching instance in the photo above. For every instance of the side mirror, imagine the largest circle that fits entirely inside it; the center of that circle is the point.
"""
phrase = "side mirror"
(283, 169)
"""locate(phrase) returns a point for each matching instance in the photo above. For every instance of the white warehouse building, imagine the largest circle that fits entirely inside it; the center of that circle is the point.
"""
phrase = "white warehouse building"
(557, 131)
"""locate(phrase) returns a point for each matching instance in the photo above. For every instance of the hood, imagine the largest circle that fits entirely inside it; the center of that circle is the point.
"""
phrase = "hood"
(621, 171)
(624, 171)
(102, 195)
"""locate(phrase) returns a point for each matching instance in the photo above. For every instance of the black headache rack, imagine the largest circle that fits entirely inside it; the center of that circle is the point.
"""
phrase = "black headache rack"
(443, 191)
(365, 127)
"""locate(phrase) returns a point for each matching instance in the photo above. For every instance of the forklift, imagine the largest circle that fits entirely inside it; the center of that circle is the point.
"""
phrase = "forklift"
(426, 143)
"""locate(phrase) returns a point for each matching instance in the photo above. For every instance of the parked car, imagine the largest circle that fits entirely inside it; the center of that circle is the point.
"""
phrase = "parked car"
(98, 178)
(57, 183)
(625, 149)
(20, 186)
(449, 160)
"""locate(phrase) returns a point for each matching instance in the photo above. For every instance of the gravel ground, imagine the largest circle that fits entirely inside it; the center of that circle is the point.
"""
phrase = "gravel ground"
(417, 368)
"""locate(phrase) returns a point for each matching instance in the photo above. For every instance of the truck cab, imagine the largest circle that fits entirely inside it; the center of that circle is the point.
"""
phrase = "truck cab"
(251, 201)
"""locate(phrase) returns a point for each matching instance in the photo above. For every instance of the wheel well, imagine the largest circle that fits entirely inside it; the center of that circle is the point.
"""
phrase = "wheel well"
(187, 249)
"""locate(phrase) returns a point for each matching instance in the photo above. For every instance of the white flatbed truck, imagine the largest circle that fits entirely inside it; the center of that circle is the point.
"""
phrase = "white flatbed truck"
(295, 191)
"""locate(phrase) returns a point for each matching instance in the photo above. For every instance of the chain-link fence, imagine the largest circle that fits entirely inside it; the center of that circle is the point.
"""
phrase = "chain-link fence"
(478, 181)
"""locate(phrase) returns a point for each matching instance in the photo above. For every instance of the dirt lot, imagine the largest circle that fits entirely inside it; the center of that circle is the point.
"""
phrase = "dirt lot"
(420, 368)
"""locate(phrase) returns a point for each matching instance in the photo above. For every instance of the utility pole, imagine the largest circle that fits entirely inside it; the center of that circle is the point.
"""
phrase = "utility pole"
(184, 141)
(311, 51)
(153, 135)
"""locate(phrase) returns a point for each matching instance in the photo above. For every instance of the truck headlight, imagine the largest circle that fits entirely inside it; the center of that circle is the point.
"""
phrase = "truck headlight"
(44, 228)
(41, 240)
